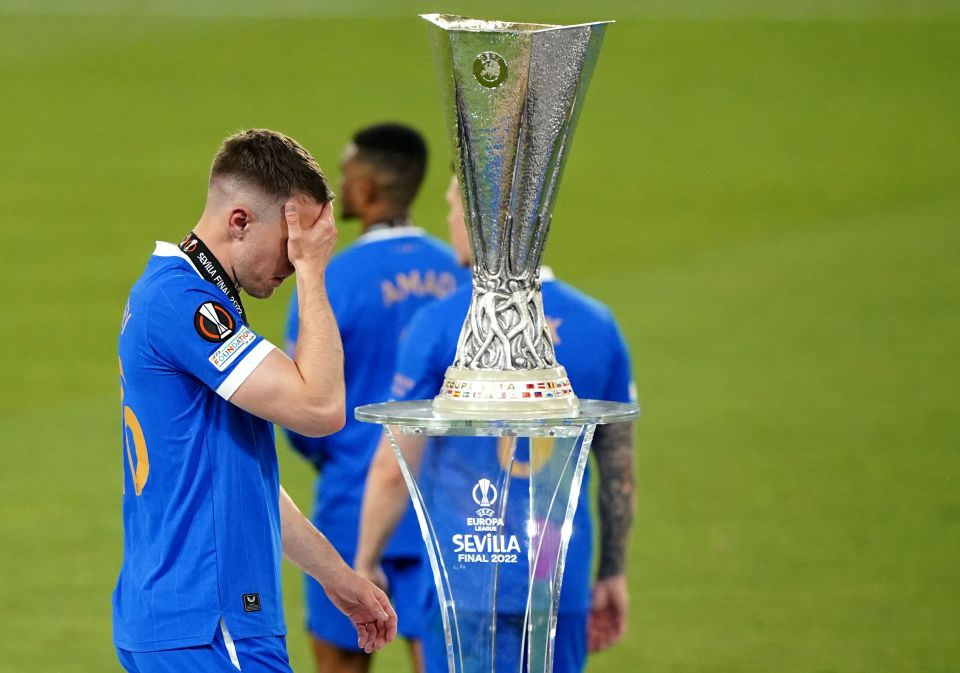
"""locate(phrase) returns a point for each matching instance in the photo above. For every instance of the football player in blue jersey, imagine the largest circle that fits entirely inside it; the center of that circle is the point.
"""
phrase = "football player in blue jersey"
(592, 615)
(205, 519)
(375, 285)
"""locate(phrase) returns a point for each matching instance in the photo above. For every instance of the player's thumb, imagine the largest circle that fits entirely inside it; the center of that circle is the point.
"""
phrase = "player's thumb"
(291, 214)
(377, 603)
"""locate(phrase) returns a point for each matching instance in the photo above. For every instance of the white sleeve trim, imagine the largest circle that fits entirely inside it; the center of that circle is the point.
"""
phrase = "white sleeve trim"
(243, 369)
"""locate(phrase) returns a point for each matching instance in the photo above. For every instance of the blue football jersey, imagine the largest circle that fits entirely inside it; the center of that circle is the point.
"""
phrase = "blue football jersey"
(375, 286)
(201, 519)
(589, 345)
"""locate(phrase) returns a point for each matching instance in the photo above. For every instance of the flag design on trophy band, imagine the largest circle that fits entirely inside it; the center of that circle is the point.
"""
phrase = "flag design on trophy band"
(506, 390)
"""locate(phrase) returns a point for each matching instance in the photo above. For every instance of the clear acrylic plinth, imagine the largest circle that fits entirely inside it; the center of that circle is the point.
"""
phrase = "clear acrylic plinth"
(496, 499)
(419, 417)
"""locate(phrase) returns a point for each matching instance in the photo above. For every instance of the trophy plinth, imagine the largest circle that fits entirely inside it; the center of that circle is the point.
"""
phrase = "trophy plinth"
(499, 480)
(496, 501)
(512, 94)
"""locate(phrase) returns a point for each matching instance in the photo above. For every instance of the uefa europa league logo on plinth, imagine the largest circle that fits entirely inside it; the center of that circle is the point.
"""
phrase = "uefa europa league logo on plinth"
(512, 95)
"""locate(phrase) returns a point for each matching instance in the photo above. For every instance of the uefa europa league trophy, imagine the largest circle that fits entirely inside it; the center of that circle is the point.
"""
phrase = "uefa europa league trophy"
(512, 93)
(498, 482)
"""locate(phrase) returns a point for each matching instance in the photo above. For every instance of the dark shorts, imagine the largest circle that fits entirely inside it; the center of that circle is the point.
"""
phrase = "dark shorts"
(223, 655)
(406, 578)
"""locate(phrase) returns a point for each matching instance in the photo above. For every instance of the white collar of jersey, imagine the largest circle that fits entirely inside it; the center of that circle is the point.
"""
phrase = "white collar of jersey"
(546, 274)
(165, 249)
(386, 233)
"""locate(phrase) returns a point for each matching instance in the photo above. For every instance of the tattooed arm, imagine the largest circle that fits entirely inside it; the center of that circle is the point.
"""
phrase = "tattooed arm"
(613, 448)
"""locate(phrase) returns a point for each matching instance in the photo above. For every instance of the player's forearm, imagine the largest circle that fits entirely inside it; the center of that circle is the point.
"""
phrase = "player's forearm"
(613, 447)
(305, 546)
(384, 501)
(319, 351)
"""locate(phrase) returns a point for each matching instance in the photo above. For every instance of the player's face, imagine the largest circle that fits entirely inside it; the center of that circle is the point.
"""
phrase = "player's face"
(261, 263)
(457, 225)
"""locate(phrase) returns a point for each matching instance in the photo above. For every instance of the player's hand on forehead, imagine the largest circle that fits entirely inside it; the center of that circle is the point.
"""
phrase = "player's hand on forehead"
(308, 210)
(311, 232)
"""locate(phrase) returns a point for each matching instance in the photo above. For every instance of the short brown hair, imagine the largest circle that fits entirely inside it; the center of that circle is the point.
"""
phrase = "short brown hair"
(274, 163)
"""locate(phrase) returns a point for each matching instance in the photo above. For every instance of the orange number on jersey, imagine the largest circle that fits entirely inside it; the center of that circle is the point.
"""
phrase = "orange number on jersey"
(141, 469)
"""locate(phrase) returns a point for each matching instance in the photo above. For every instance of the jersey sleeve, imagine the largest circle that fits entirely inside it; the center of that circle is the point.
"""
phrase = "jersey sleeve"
(620, 385)
(420, 364)
(198, 331)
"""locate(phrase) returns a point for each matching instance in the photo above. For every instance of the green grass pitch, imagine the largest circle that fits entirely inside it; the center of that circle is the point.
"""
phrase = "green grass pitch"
(766, 193)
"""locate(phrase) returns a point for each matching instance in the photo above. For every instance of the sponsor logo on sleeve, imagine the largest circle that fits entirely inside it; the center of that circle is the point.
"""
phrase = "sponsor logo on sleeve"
(231, 349)
(213, 322)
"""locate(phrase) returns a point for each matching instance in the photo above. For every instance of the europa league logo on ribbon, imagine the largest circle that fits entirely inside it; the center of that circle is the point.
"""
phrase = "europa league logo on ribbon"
(512, 92)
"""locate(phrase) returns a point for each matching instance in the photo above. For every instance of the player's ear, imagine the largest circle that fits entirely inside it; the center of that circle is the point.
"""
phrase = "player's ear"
(237, 222)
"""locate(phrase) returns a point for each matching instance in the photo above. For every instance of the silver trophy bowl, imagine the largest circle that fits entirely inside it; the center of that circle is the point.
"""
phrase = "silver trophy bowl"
(512, 94)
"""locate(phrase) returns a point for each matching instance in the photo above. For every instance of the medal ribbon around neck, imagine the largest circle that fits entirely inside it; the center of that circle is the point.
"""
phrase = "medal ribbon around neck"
(211, 270)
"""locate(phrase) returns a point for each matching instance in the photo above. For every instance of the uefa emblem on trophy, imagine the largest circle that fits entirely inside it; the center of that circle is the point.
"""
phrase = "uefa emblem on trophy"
(512, 93)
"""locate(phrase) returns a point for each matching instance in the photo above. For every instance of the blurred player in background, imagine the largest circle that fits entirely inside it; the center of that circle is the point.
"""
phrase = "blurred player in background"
(592, 615)
(204, 517)
(375, 286)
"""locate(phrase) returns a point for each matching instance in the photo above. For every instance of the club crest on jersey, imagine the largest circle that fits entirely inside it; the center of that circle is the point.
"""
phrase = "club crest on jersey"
(213, 322)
